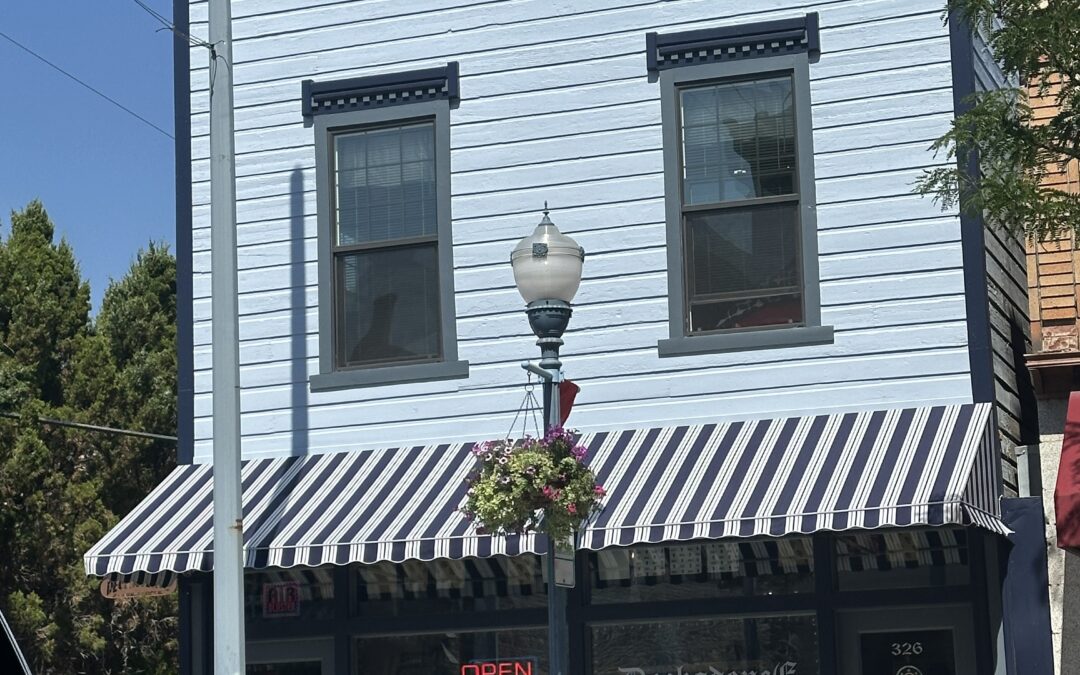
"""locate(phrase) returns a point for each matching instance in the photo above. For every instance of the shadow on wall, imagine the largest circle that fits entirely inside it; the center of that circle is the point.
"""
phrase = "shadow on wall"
(298, 319)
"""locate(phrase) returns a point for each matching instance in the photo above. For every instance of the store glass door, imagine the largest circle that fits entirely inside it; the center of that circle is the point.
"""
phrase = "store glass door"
(919, 641)
(291, 657)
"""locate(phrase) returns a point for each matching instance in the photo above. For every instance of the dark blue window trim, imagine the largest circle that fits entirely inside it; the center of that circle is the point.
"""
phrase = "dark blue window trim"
(379, 91)
(748, 40)
(185, 340)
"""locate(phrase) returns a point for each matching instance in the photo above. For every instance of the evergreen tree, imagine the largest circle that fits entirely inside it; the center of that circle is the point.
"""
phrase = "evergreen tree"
(1037, 42)
(61, 488)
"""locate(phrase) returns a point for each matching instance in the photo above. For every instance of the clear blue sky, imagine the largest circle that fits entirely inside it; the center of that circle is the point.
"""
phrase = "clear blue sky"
(105, 177)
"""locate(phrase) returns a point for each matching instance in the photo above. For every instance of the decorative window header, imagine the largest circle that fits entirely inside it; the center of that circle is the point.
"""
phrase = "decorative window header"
(379, 91)
(765, 38)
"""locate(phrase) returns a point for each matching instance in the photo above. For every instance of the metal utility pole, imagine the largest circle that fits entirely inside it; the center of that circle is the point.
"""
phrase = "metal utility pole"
(228, 510)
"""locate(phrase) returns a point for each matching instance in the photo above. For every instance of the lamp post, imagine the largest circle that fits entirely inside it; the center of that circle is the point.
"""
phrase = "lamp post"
(547, 272)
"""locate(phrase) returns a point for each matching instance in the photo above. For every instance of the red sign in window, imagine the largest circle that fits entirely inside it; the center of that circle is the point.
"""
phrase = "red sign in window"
(508, 667)
(281, 599)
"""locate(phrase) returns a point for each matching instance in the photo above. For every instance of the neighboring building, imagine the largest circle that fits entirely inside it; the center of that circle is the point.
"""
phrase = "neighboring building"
(1055, 366)
(802, 384)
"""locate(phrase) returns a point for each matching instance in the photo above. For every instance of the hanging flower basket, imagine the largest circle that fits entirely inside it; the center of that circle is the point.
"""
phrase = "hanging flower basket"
(532, 485)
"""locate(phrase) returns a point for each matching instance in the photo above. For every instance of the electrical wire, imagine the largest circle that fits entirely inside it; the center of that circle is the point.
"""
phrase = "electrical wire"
(171, 26)
(52, 65)
(93, 427)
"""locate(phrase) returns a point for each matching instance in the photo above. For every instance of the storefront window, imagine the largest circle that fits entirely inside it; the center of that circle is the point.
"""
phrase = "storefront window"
(454, 653)
(772, 645)
(902, 558)
(473, 584)
(710, 569)
(304, 593)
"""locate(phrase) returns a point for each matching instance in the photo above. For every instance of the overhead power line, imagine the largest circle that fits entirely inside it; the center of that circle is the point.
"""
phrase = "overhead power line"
(169, 25)
(52, 65)
(94, 427)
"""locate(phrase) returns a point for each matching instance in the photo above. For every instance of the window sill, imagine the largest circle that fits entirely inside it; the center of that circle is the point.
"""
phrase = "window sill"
(373, 377)
(745, 341)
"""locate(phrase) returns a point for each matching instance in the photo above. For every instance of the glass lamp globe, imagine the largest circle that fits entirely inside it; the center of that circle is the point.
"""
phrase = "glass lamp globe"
(547, 264)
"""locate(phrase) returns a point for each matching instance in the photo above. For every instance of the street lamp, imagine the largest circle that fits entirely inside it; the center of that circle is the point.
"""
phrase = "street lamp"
(547, 273)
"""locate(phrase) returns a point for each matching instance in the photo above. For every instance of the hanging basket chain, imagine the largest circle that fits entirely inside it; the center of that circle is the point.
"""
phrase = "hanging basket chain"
(530, 407)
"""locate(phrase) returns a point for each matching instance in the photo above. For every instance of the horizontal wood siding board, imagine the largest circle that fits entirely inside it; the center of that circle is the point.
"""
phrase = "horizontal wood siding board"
(556, 105)
(489, 341)
(940, 390)
(606, 389)
(1007, 282)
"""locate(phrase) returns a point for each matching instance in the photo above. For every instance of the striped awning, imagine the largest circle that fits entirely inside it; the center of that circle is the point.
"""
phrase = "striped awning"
(864, 470)
(923, 466)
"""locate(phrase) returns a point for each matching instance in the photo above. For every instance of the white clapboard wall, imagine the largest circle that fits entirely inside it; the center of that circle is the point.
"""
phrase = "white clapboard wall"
(556, 105)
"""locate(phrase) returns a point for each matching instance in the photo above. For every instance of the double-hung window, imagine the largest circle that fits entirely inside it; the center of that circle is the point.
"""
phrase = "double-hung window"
(386, 304)
(739, 187)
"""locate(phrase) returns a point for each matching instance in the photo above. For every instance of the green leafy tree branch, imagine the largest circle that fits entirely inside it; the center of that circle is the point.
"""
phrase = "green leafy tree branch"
(1037, 43)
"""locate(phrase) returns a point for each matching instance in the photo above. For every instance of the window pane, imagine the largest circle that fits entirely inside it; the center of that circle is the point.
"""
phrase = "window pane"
(385, 184)
(447, 653)
(743, 267)
(712, 569)
(773, 644)
(738, 141)
(903, 558)
(390, 305)
(442, 586)
(307, 593)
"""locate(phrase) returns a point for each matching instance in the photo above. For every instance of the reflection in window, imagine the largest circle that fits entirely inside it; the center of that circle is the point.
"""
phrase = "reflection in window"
(785, 645)
(446, 653)
(902, 558)
(741, 206)
(386, 246)
(712, 569)
(738, 141)
(471, 584)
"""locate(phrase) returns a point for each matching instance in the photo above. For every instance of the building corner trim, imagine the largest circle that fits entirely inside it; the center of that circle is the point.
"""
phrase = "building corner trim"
(972, 229)
(185, 378)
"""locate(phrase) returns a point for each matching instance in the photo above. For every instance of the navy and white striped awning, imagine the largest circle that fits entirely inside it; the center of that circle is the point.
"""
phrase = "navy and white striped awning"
(923, 466)
(919, 466)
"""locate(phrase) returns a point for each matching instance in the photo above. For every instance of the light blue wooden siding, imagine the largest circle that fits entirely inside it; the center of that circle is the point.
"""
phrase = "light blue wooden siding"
(556, 106)
(1010, 326)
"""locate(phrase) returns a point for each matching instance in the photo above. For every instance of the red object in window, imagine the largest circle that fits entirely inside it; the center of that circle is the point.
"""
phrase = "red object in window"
(511, 667)
(1067, 494)
(568, 391)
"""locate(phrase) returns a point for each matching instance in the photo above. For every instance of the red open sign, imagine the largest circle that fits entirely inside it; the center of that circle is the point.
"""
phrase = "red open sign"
(511, 667)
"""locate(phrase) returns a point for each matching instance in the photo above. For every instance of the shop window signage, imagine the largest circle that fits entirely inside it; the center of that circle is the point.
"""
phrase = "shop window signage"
(281, 599)
(912, 652)
(500, 667)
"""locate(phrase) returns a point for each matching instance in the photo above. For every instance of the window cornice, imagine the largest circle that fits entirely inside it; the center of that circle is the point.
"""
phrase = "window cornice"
(728, 43)
(379, 91)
